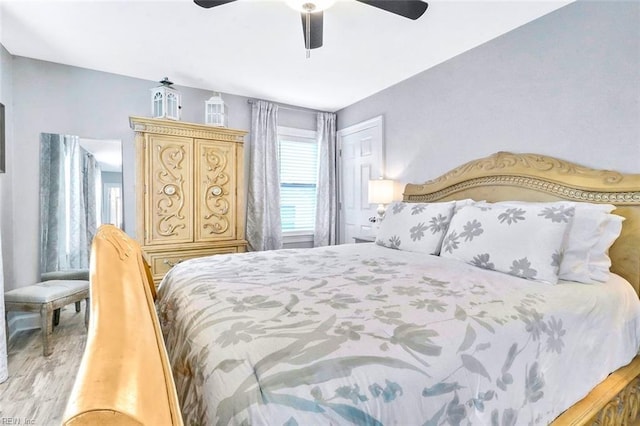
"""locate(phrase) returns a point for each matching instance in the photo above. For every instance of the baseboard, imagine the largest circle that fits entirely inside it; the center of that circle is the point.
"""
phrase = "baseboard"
(21, 321)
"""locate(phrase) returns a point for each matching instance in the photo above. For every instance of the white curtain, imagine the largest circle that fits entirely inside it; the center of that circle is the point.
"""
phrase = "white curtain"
(326, 204)
(69, 176)
(264, 228)
(53, 187)
(4, 371)
(83, 207)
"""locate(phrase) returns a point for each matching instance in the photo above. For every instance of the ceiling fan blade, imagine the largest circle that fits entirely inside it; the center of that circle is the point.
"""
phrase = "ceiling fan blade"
(412, 9)
(211, 3)
(315, 29)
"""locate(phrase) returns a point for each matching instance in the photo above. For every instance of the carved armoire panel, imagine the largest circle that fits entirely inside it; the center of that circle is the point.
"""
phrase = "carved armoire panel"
(215, 190)
(169, 190)
(189, 186)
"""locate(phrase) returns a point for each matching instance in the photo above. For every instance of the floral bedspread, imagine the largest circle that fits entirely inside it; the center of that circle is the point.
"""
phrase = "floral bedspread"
(362, 334)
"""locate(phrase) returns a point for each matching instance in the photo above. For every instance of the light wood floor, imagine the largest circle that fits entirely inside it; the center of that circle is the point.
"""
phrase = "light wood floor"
(38, 387)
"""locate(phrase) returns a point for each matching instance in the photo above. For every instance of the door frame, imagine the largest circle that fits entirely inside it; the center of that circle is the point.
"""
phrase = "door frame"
(375, 122)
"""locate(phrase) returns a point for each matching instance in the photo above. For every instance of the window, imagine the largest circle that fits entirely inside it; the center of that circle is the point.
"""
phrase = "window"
(112, 203)
(298, 167)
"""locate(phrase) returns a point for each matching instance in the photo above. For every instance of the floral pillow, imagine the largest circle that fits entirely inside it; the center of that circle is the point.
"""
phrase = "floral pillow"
(525, 241)
(584, 256)
(417, 227)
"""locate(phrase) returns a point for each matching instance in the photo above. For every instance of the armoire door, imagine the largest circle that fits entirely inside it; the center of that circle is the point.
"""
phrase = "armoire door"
(169, 187)
(215, 191)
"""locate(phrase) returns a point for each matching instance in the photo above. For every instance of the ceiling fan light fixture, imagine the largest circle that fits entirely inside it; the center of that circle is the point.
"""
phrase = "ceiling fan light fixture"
(312, 14)
(310, 6)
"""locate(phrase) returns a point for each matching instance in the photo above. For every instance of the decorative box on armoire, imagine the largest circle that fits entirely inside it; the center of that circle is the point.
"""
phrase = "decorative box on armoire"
(189, 180)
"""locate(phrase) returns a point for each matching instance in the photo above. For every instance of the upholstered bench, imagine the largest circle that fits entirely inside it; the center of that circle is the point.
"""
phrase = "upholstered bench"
(67, 274)
(45, 297)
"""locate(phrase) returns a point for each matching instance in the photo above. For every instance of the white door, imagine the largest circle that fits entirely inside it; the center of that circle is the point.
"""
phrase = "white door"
(361, 158)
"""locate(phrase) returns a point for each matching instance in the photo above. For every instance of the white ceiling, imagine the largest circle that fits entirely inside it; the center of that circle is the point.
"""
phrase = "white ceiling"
(255, 48)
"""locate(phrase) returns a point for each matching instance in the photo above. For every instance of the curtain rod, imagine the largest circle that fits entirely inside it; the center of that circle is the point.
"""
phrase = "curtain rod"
(291, 108)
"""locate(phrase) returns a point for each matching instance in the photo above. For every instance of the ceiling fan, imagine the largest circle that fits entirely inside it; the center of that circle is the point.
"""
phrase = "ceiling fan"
(312, 13)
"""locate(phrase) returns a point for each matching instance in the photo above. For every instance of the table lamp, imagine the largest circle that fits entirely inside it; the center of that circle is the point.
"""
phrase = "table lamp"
(380, 193)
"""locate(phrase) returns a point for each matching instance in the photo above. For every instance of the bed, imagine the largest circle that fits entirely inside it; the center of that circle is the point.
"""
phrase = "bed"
(364, 334)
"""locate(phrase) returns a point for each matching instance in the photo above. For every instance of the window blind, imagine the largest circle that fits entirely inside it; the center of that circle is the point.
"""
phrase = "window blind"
(298, 178)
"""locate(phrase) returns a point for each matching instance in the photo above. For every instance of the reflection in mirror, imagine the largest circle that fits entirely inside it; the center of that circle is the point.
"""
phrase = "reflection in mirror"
(80, 189)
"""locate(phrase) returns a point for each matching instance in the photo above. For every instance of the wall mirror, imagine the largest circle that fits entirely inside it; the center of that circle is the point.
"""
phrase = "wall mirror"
(80, 189)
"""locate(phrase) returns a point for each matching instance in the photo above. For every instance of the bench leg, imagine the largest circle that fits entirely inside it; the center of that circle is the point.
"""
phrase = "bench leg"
(56, 317)
(86, 312)
(77, 306)
(46, 323)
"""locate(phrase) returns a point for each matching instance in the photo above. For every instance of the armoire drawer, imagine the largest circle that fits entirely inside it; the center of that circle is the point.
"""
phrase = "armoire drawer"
(161, 262)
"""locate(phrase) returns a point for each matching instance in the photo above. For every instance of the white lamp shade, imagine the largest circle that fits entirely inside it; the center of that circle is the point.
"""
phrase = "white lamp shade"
(380, 191)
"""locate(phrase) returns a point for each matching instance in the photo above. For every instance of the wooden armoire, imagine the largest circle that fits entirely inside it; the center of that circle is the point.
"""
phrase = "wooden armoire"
(189, 191)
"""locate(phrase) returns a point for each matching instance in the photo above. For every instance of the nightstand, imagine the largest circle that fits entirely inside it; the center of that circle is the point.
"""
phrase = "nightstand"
(364, 239)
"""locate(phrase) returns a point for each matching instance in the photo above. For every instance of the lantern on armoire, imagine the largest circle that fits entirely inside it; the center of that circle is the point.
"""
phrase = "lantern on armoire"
(215, 111)
(165, 101)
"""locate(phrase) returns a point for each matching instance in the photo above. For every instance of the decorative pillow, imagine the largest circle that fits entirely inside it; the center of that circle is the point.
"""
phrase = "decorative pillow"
(416, 227)
(524, 241)
(585, 239)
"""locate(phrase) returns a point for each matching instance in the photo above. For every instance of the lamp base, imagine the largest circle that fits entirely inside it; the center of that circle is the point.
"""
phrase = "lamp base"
(380, 212)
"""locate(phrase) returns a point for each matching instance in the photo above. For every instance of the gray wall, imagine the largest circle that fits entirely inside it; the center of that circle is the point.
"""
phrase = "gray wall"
(55, 98)
(566, 85)
(6, 214)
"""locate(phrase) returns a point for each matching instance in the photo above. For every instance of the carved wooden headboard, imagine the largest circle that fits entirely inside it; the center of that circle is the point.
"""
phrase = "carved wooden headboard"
(506, 176)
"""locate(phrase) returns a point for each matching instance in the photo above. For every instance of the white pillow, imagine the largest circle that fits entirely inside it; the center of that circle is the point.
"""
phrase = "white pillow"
(584, 233)
(599, 261)
(586, 240)
(466, 202)
(417, 227)
(523, 240)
